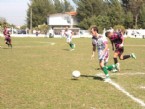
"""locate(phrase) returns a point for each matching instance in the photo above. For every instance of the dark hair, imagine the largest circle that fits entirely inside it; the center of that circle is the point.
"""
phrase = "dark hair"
(95, 29)
(107, 33)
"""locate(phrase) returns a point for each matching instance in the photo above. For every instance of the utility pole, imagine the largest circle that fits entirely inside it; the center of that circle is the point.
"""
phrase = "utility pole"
(31, 21)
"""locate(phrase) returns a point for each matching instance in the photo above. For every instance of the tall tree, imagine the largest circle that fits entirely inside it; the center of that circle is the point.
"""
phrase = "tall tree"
(116, 13)
(89, 8)
(133, 6)
(67, 6)
(142, 16)
(38, 11)
(59, 7)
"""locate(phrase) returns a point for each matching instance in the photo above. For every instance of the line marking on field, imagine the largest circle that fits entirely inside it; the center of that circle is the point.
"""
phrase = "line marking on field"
(132, 74)
(142, 87)
(118, 87)
(138, 73)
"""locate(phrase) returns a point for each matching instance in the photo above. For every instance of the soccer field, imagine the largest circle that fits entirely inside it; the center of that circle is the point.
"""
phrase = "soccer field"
(36, 74)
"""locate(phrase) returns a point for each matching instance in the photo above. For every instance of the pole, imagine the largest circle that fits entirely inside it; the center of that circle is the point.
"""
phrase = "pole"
(31, 21)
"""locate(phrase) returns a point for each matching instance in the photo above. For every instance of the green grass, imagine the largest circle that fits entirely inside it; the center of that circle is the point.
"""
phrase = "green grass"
(37, 75)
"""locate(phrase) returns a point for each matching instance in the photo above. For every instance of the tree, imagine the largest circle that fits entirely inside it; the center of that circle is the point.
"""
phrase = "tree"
(59, 7)
(128, 23)
(88, 10)
(67, 6)
(2, 21)
(142, 16)
(116, 13)
(38, 10)
(133, 6)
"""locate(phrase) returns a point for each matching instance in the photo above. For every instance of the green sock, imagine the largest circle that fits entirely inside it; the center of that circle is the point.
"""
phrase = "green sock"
(110, 67)
(105, 71)
(71, 45)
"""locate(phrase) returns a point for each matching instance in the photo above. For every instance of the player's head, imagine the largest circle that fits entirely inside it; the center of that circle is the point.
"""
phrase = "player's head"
(66, 28)
(108, 34)
(94, 30)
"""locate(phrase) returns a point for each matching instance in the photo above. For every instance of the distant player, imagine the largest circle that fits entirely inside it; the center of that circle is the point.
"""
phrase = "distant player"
(101, 44)
(117, 40)
(68, 34)
(7, 37)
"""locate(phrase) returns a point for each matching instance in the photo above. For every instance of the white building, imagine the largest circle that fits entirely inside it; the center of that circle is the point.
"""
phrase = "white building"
(62, 20)
(57, 23)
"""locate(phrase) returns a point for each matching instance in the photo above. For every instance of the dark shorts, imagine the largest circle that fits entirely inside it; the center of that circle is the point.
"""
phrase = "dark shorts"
(119, 51)
(8, 39)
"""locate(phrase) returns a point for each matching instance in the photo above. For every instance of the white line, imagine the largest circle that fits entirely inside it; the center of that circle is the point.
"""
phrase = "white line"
(117, 86)
(138, 73)
(132, 74)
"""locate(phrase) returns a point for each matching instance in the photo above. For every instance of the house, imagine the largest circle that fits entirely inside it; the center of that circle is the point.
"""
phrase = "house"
(57, 22)
(62, 19)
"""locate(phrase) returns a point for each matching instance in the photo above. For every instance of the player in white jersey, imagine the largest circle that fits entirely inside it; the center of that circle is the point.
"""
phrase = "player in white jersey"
(68, 33)
(101, 44)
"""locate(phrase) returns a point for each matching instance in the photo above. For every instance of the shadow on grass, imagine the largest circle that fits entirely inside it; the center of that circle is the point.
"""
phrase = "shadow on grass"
(6, 48)
(66, 49)
(94, 77)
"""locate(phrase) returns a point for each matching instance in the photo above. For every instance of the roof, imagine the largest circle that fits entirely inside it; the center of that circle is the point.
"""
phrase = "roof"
(72, 13)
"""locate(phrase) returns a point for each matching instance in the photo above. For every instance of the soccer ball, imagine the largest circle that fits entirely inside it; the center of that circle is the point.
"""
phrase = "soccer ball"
(76, 74)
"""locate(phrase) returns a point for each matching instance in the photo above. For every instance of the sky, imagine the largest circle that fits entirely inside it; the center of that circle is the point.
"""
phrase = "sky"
(15, 11)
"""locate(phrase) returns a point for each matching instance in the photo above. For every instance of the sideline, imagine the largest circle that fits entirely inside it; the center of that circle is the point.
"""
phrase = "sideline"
(118, 87)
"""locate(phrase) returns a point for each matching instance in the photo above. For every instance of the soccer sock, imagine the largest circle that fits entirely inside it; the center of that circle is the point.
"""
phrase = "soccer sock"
(126, 57)
(111, 67)
(115, 60)
(70, 45)
(105, 71)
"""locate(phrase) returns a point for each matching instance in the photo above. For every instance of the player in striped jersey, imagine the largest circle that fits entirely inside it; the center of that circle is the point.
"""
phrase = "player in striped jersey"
(117, 40)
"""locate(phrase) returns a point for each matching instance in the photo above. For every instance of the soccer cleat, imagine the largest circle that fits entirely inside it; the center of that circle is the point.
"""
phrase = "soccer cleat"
(74, 46)
(114, 70)
(118, 66)
(133, 55)
(107, 79)
(72, 49)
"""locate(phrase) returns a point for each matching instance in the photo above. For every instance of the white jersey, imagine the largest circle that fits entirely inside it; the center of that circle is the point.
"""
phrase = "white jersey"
(68, 35)
(100, 43)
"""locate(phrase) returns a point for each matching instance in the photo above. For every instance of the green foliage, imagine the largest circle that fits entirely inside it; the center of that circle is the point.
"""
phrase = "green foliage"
(67, 6)
(142, 16)
(40, 10)
(43, 28)
(119, 28)
(123, 12)
(116, 14)
(59, 7)
(128, 20)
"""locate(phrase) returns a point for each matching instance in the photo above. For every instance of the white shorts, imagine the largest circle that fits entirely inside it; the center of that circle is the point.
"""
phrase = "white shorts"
(68, 40)
(104, 56)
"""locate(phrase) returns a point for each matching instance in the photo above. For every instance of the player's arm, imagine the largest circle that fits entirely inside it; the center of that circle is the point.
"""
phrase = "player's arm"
(112, 45)
(122, 39)
(93, 50)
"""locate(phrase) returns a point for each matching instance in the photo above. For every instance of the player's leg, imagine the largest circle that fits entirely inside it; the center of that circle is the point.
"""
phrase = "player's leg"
(116, 53)
(72, 44)
(106, 58)
(111, 67)
(104, 69)
(10, 42)
(123, 57)
(115, 57)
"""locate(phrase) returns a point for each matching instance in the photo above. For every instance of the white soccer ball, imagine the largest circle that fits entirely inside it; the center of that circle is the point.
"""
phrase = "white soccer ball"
(76, 74)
